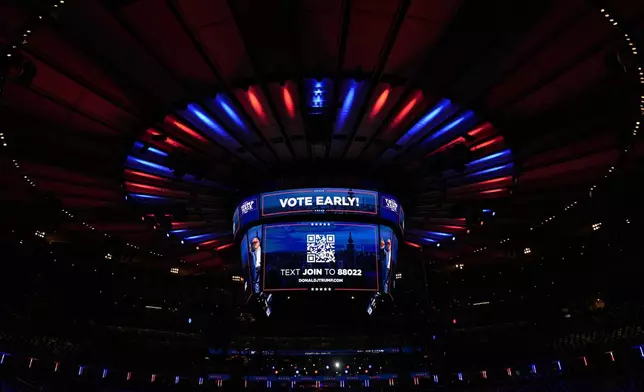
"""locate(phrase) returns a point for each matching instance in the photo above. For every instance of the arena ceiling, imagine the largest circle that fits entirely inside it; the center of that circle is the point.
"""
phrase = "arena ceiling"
(149, 120)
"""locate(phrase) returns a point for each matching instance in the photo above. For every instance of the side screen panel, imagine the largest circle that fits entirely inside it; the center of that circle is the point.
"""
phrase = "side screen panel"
(388, 249)
(248, 211)
(390, 209)
(254, 249)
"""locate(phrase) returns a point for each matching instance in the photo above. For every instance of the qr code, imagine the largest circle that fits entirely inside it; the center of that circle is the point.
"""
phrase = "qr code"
(320, 248)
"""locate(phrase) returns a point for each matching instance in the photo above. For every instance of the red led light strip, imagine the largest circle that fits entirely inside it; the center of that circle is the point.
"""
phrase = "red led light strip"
(405, 111)
(492, 191)
(487, 143)
(288, 101)
(484, 127)
(380, 102)
(257, 106)
(144, 175)
(185, 128)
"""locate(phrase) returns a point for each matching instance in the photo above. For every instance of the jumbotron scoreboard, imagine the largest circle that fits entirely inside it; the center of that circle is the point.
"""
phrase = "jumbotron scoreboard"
(318, 240)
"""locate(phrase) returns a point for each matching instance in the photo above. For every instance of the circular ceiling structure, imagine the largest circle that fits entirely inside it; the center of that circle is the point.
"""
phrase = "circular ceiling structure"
(147, 124)
(177, 165)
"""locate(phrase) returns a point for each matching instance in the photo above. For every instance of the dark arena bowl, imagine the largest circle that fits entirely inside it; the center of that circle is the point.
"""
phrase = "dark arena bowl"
(321, 195)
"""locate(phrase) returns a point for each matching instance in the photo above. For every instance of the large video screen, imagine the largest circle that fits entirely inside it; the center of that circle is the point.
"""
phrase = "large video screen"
(324, 200)
(321, 256)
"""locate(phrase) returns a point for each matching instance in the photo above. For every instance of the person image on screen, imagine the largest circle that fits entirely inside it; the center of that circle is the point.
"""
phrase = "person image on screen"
(385, 263)
(386, 257)
(256, 257)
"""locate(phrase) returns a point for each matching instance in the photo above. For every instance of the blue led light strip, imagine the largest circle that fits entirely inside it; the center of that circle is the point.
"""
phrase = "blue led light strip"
(343, 114)
(208, 122)
(489, 157)
(140, 146)
(230, 111)
(423, 122)
(133, 161)
(459, 120)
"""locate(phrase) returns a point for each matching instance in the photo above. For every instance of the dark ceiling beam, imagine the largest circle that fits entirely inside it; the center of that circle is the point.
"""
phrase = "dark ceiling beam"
(549, 39)
(593, 50)
(390, 40)
(113, 10)
(407, 93)
(80, 112)
(77, 160)
(345, 22)
(297, 55)
(223, 84)
(86, 84)
(554, 34)
(429, 57)
(410, 88)
(126, 82)
(532, 89)
(124, 25)
(141, 95)
(128, 135)
(502, 49)
(255, 63)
